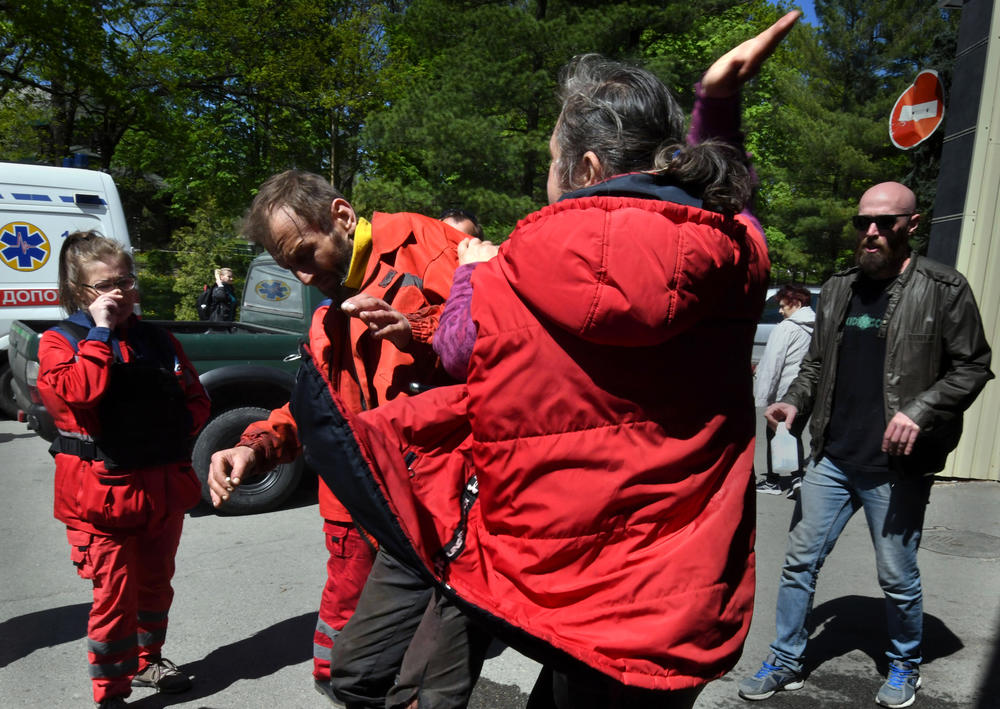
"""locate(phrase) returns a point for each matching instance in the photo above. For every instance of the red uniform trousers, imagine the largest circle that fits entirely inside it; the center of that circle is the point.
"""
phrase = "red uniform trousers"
(131, 574)
(351, 558)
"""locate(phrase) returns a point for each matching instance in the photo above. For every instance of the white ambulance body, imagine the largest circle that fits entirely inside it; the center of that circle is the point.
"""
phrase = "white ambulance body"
(39, 207)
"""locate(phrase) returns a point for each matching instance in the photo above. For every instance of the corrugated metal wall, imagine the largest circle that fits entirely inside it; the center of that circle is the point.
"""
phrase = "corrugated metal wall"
(978, 242)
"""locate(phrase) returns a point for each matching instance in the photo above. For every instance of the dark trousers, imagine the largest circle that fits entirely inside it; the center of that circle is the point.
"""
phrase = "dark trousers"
(580, 687)
(402, 626)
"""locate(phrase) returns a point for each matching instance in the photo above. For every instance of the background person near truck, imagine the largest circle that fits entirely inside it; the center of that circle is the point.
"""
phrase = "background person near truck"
(218, 302)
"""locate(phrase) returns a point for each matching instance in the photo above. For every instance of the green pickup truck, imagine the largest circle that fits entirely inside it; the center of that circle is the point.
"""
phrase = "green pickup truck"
(248, 368)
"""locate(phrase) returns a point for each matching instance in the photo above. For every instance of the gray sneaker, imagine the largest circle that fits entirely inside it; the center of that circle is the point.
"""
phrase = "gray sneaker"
(770, 678)
(900, 687)
(164, 675)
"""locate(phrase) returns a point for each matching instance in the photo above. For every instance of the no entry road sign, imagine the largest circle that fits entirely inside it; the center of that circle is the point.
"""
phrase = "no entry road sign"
(918, 111)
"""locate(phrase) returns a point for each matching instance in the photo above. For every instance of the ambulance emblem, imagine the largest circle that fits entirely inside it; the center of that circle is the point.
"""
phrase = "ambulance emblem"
(23, 246)
(273, 290)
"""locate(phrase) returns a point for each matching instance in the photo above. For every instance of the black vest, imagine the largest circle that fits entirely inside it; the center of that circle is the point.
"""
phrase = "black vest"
(144, 418)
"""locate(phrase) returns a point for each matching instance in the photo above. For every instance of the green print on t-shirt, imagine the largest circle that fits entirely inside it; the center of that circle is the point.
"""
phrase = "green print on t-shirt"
(864, 322)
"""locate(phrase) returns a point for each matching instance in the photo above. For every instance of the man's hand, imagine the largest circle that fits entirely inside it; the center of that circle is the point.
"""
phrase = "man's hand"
(227, 470)
(740, 64)
(383, 320)
(900, 435)
(778, 412)
(473, 250)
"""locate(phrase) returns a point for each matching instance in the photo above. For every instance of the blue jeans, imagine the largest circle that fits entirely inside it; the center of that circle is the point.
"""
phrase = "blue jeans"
(894, 507)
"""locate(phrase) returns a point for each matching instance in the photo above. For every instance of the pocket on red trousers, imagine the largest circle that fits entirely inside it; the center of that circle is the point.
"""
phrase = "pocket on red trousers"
(113, 500)
(79, 552)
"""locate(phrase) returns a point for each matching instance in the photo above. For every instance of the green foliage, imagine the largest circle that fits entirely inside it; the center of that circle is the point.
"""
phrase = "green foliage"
(210, 242)
(471, 98)
(421, 105)
(23, 121)
(99, 67)
(821, 137)
(158, 300)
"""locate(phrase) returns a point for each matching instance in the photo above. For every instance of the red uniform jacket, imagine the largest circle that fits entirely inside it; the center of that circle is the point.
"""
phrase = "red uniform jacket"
(411, 265)
(609, 422)
(88, 497)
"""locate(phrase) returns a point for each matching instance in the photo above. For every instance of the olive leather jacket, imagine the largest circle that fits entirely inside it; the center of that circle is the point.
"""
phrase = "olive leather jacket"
(937, 359)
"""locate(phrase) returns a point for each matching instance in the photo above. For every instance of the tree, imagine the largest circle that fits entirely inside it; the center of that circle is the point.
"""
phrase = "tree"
(96, 63)
(824, 138)
(427, 104)
(471, 98)
(288, 86)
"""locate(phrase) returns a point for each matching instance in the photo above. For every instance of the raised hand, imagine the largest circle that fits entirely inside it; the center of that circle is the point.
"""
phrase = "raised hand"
(740, 64)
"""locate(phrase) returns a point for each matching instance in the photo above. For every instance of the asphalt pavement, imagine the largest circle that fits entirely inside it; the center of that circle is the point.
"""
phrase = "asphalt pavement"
(247, 589)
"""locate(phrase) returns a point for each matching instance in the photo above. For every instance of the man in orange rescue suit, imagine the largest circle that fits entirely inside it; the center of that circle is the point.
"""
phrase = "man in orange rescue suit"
(397, 263)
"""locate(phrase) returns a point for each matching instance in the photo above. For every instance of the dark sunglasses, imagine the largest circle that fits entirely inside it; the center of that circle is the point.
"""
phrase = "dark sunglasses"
(883, 222)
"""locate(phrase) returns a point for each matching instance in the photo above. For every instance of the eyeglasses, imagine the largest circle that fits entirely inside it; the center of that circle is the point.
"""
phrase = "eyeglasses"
(125, 283)
(862, 222)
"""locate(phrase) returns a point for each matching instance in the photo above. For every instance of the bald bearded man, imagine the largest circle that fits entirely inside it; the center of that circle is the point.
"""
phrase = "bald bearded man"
(897, 354)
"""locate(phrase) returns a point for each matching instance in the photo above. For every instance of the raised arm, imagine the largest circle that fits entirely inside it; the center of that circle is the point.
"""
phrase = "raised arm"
(741, 63)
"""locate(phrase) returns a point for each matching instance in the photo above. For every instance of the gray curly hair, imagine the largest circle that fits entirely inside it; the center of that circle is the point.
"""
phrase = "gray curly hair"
(629, 119)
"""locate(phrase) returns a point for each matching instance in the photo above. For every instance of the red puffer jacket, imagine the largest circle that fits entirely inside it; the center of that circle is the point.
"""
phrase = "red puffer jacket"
(609, 421)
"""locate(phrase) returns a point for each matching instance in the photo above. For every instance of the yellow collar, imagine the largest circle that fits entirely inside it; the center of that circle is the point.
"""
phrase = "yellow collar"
(359, 257)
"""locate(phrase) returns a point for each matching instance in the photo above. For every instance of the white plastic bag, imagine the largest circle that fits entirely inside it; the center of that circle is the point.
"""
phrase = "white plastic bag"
(784, 451)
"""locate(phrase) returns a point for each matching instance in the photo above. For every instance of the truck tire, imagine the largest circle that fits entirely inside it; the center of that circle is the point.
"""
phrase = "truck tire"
(8, 406)
(259, 494)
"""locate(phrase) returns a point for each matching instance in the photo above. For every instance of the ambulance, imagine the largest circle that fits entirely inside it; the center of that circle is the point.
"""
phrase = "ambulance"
(39, 207)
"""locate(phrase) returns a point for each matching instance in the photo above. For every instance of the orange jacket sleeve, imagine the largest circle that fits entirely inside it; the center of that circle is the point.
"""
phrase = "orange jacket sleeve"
(276, 439)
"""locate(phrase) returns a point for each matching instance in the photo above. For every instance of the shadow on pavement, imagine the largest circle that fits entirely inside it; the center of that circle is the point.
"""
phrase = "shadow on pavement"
(257, 656)
(26, 633)
(858, 623)
(4, 437)
(990, 689)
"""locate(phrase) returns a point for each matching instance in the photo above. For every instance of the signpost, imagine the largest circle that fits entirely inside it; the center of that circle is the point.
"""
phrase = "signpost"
(918, 111)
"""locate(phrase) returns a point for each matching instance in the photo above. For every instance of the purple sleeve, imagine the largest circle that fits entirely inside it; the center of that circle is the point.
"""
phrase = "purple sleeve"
(719, 118)
(456, 333)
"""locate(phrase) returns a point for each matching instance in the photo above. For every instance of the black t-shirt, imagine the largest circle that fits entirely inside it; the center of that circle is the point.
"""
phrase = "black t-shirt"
(857, 419)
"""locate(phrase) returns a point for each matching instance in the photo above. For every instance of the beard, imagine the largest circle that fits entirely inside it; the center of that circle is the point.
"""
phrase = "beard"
(872, 263)
(887, 261)
(330, 273)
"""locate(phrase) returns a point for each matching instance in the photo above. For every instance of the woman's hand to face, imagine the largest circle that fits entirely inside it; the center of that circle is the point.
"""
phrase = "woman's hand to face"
(113, 308)
(107, 309)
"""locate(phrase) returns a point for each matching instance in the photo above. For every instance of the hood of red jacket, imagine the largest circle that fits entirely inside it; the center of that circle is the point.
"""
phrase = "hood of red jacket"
(632, 266)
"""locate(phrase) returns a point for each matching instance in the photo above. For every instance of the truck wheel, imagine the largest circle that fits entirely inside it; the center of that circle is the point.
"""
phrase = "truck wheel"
(8, 406)
(258, 494)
